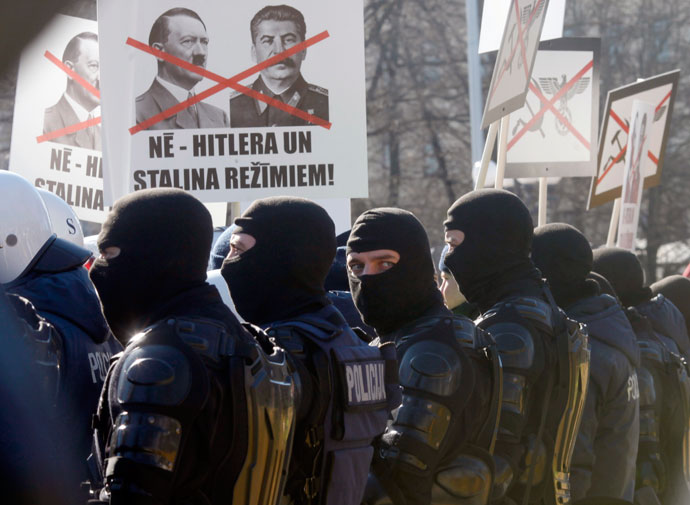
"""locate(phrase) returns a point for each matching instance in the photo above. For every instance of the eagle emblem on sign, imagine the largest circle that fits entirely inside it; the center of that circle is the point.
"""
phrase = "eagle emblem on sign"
(552, 85)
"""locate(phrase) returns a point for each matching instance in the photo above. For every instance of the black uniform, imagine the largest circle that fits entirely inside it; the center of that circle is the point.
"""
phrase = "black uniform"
(664, 382)
(60, 289)
(247, 112)
(606, 448)
(438, 447)
(193, 411)
(346, 387)
(33, 470)
(543, 354)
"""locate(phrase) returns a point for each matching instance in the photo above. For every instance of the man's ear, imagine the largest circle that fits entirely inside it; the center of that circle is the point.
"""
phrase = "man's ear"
(69, 64)
(159, 46)
(253, 53)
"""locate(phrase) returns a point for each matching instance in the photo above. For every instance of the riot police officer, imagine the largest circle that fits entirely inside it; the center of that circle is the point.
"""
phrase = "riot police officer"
(438, 447)
(544, 355)
(606, 448)
(47, 270)
(675, 288)
(33, 471)
(193, 410)
(663, 462)
(280, 254)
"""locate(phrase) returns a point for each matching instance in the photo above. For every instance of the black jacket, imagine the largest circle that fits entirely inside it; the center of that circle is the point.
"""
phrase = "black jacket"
(606, 448)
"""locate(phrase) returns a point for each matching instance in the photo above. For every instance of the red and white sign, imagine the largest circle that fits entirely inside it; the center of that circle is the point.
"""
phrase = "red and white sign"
(56, 132)
(515, 59)
(660, 91)
(638, 146)
(555, 133)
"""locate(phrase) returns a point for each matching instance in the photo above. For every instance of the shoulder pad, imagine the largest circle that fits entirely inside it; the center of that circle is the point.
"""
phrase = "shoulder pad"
(533, 309)
(317, 89)
(466, 333)
(515, 344)
(154, 374)
(431, 366)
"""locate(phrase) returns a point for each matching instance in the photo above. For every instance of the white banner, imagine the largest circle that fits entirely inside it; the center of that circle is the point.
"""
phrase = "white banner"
(56, 132)
(495, 13)
(192, 100)
(638, 145)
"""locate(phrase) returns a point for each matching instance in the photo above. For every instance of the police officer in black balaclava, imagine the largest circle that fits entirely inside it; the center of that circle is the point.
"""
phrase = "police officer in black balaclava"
(280, 254)
(675, 288)
(490, 237)
(663, 340)
(606, 447)
(192, 390)
(445, 365)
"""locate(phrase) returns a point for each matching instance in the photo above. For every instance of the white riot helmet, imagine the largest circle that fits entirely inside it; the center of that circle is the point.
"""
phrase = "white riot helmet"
(25, 228)
(65, 222)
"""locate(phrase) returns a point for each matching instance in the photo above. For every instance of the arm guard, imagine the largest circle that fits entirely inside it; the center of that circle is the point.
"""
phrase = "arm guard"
(422, 433)
(156, 392)
(518, 354)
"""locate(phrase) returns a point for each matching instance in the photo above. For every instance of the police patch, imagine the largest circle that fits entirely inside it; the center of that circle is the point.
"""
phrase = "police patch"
(364, 382)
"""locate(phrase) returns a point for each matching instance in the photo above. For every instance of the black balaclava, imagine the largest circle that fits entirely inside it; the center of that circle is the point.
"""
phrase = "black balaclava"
(391, 299)
(165, 239)
(624, 271)
(564, 257)
(283, 274)
(496, 249)
(677, 289)
(336, 280)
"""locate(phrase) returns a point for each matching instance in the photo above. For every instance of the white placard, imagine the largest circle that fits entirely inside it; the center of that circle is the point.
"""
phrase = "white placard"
(515, 59)
(56, 134)
(638, 144)
(231, 145)
(494, 15)
(555, 133)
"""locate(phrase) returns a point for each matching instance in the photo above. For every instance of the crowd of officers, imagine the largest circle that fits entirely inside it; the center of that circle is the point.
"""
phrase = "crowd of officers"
(541, 372)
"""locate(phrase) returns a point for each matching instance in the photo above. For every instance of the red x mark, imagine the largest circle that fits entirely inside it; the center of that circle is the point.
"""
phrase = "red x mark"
(232, 82)
(622, 124)
(521, 44)
(87, 86)
(549, 105)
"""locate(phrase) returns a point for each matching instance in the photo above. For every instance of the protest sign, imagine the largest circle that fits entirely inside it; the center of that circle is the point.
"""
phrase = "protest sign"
(642, 115)
(56, 131)
(555, 133)
(659, 91)
(495, 12)
(230, 114)
(515, 59)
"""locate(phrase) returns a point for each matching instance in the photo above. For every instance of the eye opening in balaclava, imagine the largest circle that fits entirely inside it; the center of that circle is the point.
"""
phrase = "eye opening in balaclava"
(164, 236)
(496, 250)
(283, 274)
(391, 299)
(624, 271)
(564, 257)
